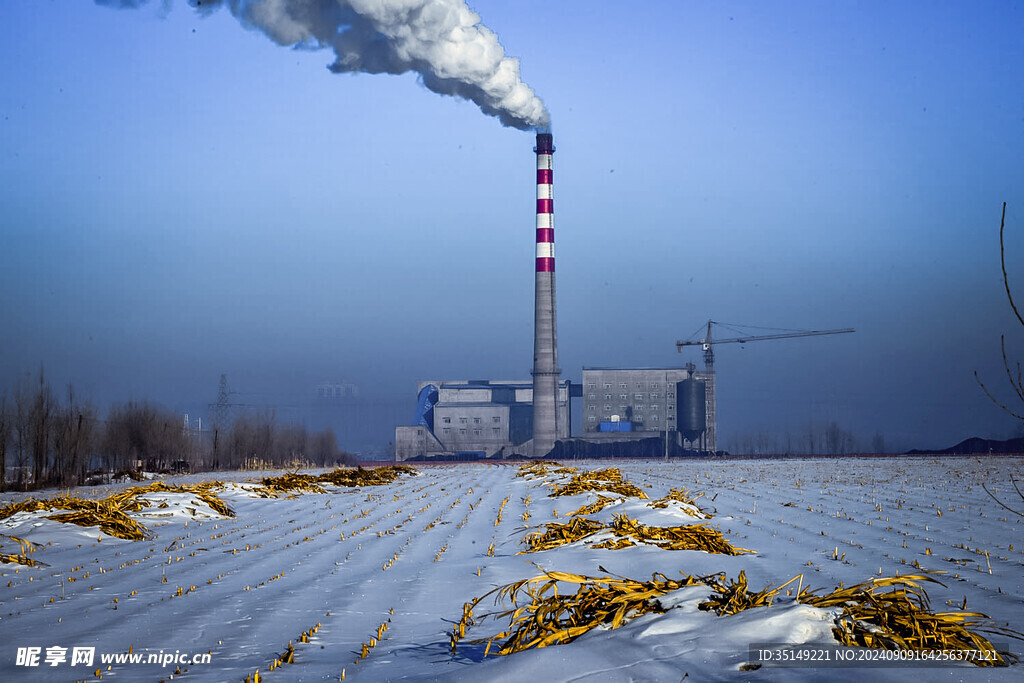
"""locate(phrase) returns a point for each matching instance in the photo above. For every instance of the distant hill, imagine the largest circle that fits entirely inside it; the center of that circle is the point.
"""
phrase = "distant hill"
(978, 445)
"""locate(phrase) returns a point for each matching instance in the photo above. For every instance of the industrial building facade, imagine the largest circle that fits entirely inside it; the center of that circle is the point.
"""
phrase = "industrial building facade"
(644, 401)
(482, 417)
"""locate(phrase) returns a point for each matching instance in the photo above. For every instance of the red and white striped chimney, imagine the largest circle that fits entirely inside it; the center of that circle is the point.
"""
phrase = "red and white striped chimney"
(545, 337)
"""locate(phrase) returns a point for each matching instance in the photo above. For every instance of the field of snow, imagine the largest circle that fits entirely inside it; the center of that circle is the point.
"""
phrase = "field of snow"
(366, 583)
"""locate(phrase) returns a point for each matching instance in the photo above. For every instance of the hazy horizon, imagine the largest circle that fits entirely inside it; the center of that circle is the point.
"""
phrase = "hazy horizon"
(184, 199)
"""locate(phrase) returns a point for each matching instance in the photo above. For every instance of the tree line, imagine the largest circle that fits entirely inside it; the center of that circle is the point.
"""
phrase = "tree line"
(823, 439)
(49, 439)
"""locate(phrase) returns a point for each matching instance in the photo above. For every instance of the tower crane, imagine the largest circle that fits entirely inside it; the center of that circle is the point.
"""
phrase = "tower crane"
(707, 344)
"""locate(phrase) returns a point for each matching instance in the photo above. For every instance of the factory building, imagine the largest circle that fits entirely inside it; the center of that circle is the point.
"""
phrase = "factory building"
(636, 403)
(482, 418)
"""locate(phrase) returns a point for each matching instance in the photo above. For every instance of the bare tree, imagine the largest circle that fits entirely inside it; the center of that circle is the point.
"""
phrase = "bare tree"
(5, 435)
(43, 408)
(1016, 382)
(143, 433)
(73, 440)
(1016, 378)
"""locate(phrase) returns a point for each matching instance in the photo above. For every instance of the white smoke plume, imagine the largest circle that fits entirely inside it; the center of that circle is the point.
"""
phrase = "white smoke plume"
(441, 40)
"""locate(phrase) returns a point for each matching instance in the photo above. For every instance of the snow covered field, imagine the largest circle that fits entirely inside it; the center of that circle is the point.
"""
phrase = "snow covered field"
(396, 563)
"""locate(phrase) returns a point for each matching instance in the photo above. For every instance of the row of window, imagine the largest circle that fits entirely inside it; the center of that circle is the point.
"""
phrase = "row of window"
(476, 420)
(637, 396)
(639, 406)
(496, 431)
(637, 419)
(622, 385)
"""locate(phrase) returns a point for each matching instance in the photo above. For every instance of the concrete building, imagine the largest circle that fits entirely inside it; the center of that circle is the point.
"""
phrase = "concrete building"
(636, 403)
(479, 417)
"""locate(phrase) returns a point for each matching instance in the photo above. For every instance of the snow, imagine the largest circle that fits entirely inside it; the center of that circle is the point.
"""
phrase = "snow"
(336, 566)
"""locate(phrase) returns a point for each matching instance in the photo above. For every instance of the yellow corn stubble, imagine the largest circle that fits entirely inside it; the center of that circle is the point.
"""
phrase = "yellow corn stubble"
(680, 495)
(110, 514)
(629, 531)
(608, 479)
(899, 619)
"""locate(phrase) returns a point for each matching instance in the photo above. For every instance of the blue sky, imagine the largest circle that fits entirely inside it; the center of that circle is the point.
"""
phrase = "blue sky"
(184, 198)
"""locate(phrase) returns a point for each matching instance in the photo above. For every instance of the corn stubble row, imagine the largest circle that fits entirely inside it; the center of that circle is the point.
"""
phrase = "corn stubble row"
(293, 482)
(111, 514)
(608, 479)
(896, 619)
(891, 613)
(629, 532)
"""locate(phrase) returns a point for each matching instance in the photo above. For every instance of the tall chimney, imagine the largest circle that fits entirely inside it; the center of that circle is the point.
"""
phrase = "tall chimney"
(545, 337)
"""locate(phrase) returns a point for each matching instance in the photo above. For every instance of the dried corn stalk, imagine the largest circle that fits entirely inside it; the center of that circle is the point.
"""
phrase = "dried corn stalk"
(600, 504)
(22, 557)
(901, 619)
(540, 616)
(540, 468)
(629, 531)
(110, 514)
(608, 479)
(734, 597)
(292, 483)
(681, 496)
(685, 537)
(289, 483)
(555, 534)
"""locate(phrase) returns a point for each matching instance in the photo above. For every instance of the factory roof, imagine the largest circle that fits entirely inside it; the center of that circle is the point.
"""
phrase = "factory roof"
(474, 404)
(635, 369)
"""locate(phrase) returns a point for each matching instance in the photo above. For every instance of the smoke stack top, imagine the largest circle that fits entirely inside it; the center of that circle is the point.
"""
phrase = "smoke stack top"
(441, 40)
(545, 144)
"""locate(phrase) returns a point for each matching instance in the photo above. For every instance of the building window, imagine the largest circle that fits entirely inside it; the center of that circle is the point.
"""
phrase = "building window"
(463, 420)
(590, 385)
(462, 431)
(654, 385)
(654, 418)
(622, 385)
(496, 419)
(623, 397)
(476, 420)
(446, 420)
(607, 397)
(638, 396)
(607, 408)
(607, 385)
(419, 432)
(591, 419)
(654, 394)
(671, 394)
(447, 430)
(591, 396)
(639, 406)
(495, 430)
(639, 385)
(476, 432)
(591, 408)
(654, 406)
(671, 407)
(639, 419)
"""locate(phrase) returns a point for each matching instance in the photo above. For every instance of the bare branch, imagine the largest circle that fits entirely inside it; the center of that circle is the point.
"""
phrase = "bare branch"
(1002, 262)
(1006, 364)
(994, 399)
(1001, 503)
